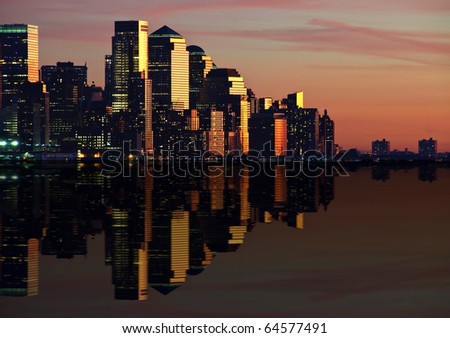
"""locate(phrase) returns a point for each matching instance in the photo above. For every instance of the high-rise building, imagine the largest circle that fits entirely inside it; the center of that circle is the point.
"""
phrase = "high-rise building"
(65, 83)
(169, 72)
(19, 62)
(33, 116)
(428, 149)
(199, 66)
(326, 135)
(224, 90)
(19, 59)
(131, 88)
(381, 148)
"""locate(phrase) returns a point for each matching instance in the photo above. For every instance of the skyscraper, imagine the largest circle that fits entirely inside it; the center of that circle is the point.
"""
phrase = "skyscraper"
(19, 59)
(130, 84)
(169, 72)
(19, 62)
(199, 66)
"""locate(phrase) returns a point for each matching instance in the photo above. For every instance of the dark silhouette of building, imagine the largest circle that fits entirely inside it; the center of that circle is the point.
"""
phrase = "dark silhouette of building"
(427, 149)
(65, 83)
(326, 135)
(381, 149)
(33, 118)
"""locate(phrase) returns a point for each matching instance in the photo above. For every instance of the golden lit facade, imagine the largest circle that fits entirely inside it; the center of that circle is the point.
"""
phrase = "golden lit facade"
(280, 134)
(224, 89)
(296, 99)
(130, 55)
(216, 135)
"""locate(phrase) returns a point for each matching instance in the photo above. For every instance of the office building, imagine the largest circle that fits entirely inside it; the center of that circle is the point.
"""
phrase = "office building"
(199, 66)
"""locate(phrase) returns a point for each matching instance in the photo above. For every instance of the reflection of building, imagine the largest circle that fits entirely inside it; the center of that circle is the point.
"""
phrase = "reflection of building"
(428, 149)
(169, 246)
(19, 260)
(130, 235)
(427, 172)
(380, 173)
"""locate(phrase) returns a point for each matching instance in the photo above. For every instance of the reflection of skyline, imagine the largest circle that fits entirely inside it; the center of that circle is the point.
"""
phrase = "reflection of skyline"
(158, 231)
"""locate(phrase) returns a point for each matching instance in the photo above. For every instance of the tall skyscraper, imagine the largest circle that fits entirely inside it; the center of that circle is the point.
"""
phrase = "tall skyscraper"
(19, 62)
(19, 59)
(130, 83)
(65, 83)
(199, 66)
(169, 72)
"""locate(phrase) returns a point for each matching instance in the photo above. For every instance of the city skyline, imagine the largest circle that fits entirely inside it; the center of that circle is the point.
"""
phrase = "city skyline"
(394, 60)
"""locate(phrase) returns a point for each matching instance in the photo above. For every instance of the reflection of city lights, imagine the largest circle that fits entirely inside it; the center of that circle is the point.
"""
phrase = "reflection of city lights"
(2, 143)
(14, 143)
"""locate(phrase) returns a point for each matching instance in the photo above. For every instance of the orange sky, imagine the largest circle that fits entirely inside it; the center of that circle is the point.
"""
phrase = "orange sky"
(381, 69)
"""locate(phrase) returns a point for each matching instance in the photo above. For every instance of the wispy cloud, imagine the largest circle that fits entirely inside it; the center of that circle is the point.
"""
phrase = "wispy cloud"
(332, 36)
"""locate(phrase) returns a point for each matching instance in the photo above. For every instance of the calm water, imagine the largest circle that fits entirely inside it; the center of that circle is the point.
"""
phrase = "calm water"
(74, 243)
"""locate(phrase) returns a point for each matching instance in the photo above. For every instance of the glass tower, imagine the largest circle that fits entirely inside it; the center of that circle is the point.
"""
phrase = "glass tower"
(130, 83)
(19, 59)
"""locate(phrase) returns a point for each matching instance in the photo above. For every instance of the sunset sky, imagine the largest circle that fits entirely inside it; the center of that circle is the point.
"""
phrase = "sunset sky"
(381, 68)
